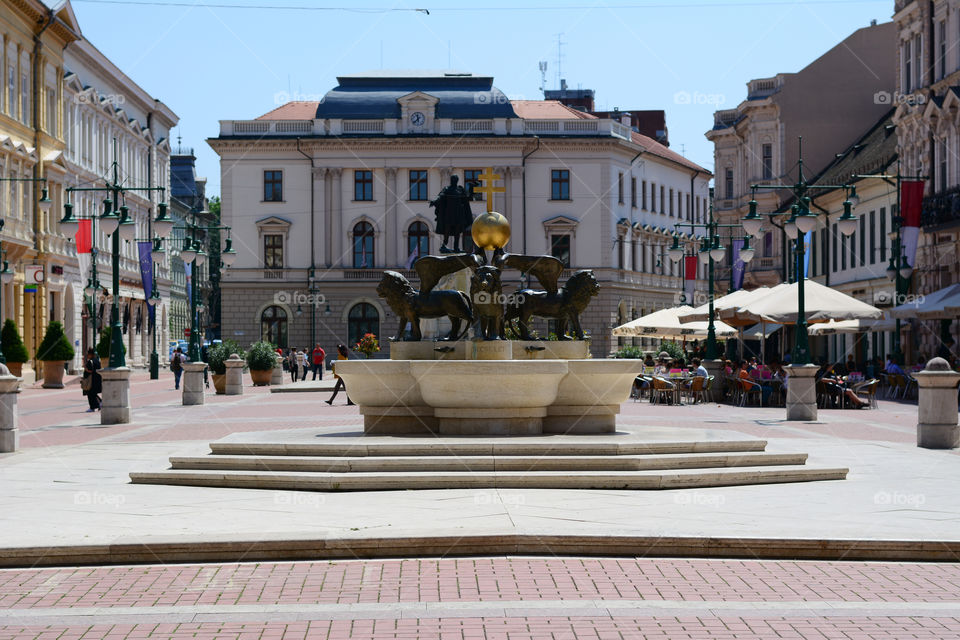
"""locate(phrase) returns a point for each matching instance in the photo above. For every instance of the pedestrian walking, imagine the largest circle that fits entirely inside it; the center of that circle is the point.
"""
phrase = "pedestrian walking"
(318, 356)
(302, 366)
(176, 366)
(292, 364)
(92, 382)
(342, 354)
(204, 357)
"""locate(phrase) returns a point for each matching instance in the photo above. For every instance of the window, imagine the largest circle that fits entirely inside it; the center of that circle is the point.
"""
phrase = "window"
(689, 210)
(873, 237)
(728, 183)
(24, 99)
(767, 151)
(273, 326)
(671, 202)
(883, 234)
(863, 240)
(653, 197)
(560, 184)
(942, 53)
(418, 185)
(943, 163)
(273, 186)
(620, 188)
(833, 245)
(363, 185)
(824, 254)
(418, 240)
(643, 195)
(560, 248)
(12, 91)
(363, 245)
(52, 112)
(843, 251)
(662, 198)
(273, 251)
(620, 241)
(633, 254)
(696, 213)
(768, 244)
(361, 320)
(473, 175)
(633, 192)
(907, 66)
(917, 61)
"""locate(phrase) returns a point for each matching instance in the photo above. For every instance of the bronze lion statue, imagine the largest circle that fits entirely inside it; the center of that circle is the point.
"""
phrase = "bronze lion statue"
(565, 306)
(486, 292)
(410, 305)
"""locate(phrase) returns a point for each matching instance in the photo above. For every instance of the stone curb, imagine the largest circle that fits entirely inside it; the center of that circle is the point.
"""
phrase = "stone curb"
(199, 550)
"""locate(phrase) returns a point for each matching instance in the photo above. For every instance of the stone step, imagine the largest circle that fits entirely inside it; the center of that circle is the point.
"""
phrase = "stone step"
(392, 464)
(489, 480)
(440, 447)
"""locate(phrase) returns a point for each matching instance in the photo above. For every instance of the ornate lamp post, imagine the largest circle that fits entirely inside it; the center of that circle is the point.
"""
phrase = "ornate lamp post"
(117, 223)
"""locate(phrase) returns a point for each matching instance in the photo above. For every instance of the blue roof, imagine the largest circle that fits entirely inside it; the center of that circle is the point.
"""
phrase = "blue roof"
(183, 176)
(374, 95)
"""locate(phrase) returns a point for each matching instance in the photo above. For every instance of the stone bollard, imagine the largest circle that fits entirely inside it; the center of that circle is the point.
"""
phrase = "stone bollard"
(9, 389)
(276, 377)
(234, 386)
(115, 406)
(802, 392)
(193, 382)
(937, 403)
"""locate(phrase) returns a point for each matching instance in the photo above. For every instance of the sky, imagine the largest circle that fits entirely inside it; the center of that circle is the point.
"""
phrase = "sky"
(210, 61)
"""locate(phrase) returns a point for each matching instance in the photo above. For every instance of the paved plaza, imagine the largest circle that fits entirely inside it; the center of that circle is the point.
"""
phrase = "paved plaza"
(598, 572)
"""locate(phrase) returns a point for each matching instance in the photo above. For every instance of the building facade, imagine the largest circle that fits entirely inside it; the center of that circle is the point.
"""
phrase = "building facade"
(66, 112)
(322, 197)
(827, 103)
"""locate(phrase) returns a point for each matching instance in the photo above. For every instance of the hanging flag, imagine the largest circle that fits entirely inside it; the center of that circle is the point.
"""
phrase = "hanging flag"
(690, 277)
(911, 205)
(146, 272)
(738, 265)
(807, 240)
(188, 271)
(413, 256)
(84, 237)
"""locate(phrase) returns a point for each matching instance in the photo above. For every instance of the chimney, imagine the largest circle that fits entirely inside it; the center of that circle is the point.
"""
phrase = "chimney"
(563, 84)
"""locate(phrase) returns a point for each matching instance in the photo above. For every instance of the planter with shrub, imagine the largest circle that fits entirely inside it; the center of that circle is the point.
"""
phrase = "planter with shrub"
(13, 348)
(54, 352)
(261, 359)
(217, 356)
(103, 347)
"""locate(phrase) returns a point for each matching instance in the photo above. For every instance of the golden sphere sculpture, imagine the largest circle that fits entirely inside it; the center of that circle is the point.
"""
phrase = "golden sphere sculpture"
(490, 231)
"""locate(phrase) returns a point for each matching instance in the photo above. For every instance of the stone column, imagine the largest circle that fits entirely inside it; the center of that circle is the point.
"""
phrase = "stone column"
(937, 399)
(115, 407)
(234, 386)
(9, 389)
(321, 235)
(276, 376)
(391, 238)
(802, 392)
(193, 383)
(336, 213)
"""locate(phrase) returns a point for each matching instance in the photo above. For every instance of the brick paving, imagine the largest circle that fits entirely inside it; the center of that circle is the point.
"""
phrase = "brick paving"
(545, 597)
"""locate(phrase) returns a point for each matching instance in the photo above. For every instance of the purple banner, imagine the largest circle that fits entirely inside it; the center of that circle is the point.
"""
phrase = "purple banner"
(738, 265)
(807, 240)
(146, 275)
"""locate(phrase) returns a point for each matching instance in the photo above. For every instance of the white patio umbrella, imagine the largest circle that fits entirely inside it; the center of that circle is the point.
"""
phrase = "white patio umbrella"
(666, 324)
(852, 326)
(930, 305)
(821, 304)
(731, 301)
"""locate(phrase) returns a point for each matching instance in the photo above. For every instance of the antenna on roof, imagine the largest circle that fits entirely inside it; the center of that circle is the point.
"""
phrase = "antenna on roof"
(543, 77)
(560, 44)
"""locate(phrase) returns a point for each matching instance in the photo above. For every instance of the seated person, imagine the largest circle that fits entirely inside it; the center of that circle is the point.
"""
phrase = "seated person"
(699, 369)
(835, 387)
(893, 367)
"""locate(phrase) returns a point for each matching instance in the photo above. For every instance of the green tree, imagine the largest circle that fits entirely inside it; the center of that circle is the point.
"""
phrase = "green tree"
(55, 346)
(11, 343)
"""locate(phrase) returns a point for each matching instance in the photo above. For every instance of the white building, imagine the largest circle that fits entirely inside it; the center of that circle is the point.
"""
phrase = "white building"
(323, 196)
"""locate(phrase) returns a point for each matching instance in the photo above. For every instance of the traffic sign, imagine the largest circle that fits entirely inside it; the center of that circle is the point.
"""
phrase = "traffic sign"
(186, 332)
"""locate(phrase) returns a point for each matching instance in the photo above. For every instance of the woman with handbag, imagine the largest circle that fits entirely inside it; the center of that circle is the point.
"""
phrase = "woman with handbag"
(92, 383)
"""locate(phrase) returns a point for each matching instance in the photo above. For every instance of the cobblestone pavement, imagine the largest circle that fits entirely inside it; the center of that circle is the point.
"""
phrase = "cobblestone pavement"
(504, 597)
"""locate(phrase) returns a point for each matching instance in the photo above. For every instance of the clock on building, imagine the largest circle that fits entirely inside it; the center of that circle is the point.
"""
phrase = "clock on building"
(417, 118)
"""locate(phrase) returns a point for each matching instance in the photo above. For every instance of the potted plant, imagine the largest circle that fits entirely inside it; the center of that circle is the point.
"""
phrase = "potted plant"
(13, 349)
(261, 358)
(367, 345)
(54, 351)
(103, 347)
(217, 356)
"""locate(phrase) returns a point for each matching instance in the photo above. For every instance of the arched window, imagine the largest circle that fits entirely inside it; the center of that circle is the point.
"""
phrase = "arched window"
(418, 240)
(362, 318)
(363, 246)
(273, 326)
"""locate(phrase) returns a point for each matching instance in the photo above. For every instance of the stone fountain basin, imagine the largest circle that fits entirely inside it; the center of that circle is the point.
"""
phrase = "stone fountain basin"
(380, 383)
(598, 382)
(489, 384)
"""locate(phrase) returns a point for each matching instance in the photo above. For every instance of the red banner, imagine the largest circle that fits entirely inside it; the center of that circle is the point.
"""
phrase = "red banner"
(690, 268)
(911, 200)
(84, 236)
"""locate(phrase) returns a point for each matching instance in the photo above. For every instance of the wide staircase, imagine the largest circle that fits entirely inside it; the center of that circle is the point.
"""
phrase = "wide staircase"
(422, 463)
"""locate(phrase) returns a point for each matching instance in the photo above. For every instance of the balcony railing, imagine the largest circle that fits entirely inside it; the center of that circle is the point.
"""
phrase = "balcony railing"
(941, 208)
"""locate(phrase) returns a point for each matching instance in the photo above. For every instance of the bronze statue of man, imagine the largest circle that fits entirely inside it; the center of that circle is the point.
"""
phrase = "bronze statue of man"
(453, 213)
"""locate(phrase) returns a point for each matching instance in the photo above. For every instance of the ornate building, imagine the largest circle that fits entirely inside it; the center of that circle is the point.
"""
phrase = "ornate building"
(323, 196)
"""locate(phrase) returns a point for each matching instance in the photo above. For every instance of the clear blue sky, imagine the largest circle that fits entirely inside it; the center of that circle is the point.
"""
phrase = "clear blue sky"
(211, 63)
